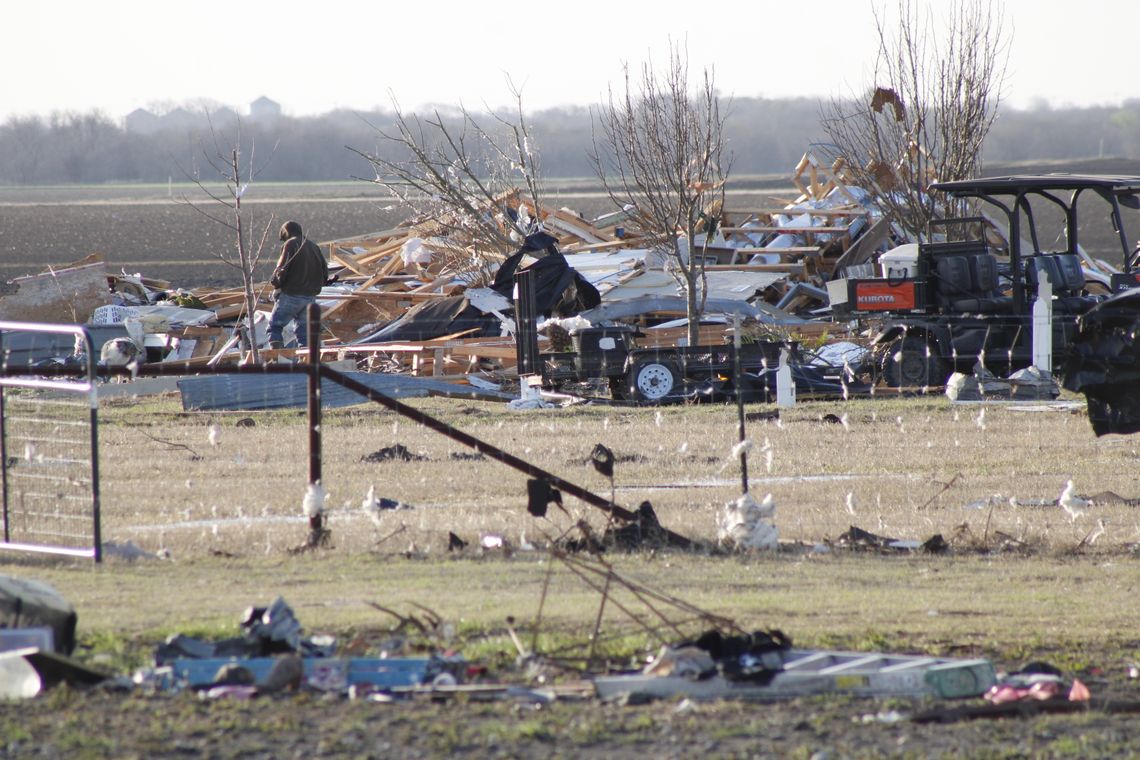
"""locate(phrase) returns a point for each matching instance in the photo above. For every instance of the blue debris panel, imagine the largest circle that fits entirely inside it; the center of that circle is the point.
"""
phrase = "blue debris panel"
(329, 673)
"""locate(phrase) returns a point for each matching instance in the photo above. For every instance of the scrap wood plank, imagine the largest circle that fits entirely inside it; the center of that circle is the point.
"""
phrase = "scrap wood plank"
(224, 297)
(360, 290)
(403, 296)
(844, 210)
(789, 268)
(794, 250)
(573, 225)
(370, 237)
(786, 228)
(670, 336)
(389, 252)
(500, 351)
(348, 261)
(626, 242)
(817, 190)
(438, 282)
(818, 329)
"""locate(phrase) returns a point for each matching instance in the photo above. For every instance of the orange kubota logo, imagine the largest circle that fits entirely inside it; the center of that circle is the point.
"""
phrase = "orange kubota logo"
(876, 296)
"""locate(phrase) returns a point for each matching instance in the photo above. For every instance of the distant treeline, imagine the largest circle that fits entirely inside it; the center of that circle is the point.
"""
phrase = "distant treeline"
(764, 137)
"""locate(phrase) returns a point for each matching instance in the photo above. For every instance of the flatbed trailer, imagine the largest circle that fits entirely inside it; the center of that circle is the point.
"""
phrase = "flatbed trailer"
(660, 375)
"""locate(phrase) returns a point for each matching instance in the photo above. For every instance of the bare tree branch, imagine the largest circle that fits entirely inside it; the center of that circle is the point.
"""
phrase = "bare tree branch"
(659, 148)
(225, 160)
(470, 180)
(935, 98)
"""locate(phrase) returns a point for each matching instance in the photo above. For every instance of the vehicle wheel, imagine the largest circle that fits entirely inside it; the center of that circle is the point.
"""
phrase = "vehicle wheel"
(912, 362)
(653, 380)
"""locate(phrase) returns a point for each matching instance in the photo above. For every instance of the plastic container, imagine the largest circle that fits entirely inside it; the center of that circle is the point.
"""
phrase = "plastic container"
(900, 263)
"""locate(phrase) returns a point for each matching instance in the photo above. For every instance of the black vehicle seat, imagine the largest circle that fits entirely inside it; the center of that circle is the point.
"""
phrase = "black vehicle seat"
(984, 276)
(984, 269)
(1069, 268)
(969, 283)
(953, 282)
(1066, 276)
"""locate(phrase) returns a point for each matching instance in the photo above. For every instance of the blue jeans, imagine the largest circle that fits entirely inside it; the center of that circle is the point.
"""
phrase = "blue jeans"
(286, 309)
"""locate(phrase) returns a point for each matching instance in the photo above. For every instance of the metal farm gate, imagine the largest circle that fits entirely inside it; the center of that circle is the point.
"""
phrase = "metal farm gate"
(49, 442)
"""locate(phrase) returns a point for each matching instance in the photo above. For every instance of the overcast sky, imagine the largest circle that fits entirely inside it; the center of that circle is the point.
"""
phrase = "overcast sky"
(312, 57)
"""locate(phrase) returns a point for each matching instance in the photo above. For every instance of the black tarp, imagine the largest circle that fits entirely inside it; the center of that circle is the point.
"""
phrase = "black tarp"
(559, 291)
(438, 317)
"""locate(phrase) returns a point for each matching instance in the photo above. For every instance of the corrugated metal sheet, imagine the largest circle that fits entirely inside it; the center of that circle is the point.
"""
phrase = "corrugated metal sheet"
(253, 392)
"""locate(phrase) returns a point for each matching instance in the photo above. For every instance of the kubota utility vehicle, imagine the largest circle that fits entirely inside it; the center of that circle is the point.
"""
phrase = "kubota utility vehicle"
(944, 306)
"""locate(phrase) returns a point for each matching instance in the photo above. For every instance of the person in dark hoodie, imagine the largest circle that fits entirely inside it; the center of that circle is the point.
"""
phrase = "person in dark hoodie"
(300, 274)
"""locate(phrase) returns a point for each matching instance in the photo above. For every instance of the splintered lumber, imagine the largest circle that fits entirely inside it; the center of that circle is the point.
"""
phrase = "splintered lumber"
(432, 356)
(570, 224)
(628, 242)
(668, 337)
(821, 180)
(789, 268)
(845, 210)
(795, 229)
(794, 251)
(347, 261)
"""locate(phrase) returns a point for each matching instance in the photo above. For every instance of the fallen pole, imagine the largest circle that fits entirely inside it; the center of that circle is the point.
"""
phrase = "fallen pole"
(492, 451)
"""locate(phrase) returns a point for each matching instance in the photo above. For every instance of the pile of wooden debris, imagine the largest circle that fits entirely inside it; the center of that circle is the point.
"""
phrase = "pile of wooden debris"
(768, 263)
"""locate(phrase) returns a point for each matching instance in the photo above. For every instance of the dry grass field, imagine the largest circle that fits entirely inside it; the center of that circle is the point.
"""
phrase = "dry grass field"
(912, 466)
(1021, 581)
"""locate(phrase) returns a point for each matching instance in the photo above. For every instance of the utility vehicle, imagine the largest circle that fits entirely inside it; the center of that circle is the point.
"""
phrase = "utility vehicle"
(967, 295)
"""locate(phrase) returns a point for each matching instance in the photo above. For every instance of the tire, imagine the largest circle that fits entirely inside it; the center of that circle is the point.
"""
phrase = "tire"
(653, 380)
(912, 362)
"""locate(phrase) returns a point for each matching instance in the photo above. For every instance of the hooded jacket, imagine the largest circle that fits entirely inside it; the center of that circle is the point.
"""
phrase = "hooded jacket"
(301, 269)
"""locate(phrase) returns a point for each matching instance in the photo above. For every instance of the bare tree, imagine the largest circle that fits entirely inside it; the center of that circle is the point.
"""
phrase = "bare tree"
(224, 157)
(934, 99)
(23, 141)
(659, 147)
(479, 184)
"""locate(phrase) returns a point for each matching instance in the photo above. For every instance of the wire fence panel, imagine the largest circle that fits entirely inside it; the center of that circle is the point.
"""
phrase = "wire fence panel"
(49, 443)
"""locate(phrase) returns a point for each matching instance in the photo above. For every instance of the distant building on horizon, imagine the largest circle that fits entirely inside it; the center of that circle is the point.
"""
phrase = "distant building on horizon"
(142, 121)
(264, 109)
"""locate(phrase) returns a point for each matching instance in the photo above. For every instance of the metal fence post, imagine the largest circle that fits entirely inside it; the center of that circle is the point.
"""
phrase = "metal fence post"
(313, 316)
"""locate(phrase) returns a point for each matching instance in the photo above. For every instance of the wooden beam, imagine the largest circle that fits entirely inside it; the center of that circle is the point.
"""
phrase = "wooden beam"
(795, 250)
(607, 246)
(785, 268)
(348, 261)
(839, 211)
(798, 229)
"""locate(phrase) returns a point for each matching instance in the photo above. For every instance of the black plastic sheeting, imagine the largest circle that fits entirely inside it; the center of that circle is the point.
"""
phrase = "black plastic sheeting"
(1104, 364)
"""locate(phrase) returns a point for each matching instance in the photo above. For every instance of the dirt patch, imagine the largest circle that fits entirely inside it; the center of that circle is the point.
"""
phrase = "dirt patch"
(168, 240)
(310, 726)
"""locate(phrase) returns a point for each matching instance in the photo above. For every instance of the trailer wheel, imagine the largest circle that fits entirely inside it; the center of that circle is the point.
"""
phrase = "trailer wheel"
(653, 380)
(913, 362)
